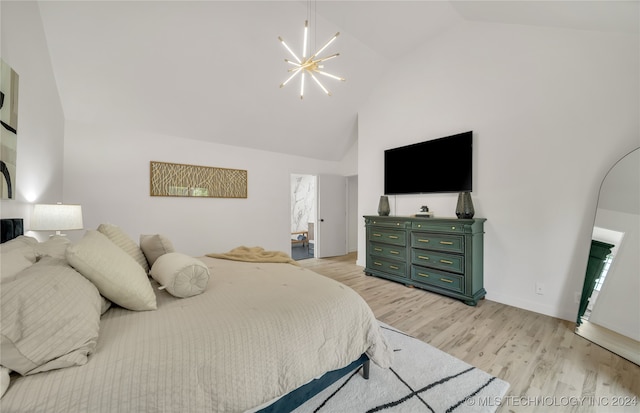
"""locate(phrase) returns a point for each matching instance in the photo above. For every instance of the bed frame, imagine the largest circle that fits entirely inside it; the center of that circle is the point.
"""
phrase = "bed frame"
(300, 395)
(14, 227)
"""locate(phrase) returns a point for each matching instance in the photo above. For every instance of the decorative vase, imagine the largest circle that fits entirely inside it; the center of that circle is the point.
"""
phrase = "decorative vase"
(464, 209)
(383, 206)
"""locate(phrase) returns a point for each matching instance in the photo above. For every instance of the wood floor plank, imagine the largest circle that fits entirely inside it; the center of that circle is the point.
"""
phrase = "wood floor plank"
(548, 366)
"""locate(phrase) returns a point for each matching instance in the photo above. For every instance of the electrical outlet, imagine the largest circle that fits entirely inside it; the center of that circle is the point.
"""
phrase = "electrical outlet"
(539, 288)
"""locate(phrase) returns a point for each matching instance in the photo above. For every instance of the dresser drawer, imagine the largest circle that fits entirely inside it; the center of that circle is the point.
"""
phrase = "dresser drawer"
(389, 266)
(390, 251)
(437, 278)
(449, 262)
(389, 222)
(432, 225)
(440, 242)
(387, 236)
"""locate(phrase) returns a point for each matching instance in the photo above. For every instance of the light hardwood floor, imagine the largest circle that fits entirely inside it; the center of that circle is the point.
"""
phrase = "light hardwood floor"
(548, 366)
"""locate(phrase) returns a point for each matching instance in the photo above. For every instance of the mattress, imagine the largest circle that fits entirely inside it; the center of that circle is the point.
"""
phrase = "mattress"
(259, 331)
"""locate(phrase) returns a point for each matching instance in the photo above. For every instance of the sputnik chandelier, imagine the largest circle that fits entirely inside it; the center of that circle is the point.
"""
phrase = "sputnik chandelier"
(309, 65)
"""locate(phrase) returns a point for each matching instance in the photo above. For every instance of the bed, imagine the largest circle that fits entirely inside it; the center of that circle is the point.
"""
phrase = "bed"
(257, 336)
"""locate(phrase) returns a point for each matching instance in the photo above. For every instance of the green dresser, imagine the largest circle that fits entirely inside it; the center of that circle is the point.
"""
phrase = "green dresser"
(443, 255)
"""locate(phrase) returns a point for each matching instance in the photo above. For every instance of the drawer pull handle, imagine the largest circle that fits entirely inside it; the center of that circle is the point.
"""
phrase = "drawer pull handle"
(423, 275)
(445, 280)
(377, 235)
(446, 262)
(394, 252)
(423, 240)
(422, 257)
(453, 227)
(393, 267)
(378, 249)
(393, 236)
(377, 263)
(446, 242)
(419, 225)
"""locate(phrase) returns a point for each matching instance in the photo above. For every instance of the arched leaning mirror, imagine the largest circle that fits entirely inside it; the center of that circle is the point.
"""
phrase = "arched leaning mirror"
(609, 313)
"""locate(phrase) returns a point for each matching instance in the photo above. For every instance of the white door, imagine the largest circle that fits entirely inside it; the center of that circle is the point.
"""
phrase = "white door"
(331, 230)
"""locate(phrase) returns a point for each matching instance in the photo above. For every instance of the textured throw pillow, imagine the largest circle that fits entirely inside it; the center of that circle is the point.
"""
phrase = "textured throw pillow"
(122, 240)
(50, 318)
(55, 247)
(181, 275)
(153, 246)
(118, 276)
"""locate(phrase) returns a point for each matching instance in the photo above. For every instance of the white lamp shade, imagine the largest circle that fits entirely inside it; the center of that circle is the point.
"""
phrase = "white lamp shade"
(56, 217)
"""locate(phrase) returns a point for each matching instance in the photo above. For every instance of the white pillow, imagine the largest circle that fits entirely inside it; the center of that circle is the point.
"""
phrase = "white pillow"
(154, 246)
(22, 243)
(182, 275)
(50, 318)
(122, 240)
(116, 274)
(11, 263)
(18, 242)
(55, 247)
(5, 379)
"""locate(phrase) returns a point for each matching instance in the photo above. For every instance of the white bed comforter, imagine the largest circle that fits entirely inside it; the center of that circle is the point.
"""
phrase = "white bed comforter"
(258, 332)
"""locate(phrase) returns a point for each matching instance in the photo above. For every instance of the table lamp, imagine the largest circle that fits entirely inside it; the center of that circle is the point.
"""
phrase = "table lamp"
(56, 217)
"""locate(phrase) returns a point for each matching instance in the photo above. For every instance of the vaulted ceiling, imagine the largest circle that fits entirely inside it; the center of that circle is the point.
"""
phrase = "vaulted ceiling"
(211, 70)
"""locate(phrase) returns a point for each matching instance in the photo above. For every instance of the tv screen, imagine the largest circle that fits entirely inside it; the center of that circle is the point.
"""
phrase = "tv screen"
(438, 165)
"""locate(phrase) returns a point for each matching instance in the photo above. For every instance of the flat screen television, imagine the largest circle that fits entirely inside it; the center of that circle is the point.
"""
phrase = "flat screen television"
(438, 165)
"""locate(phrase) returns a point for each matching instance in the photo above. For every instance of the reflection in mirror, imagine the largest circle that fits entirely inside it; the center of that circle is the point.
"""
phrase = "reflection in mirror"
(609, 312)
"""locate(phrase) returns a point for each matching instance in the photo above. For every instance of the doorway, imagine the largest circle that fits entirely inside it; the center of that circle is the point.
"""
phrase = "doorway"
(303, 216)
(339, 223)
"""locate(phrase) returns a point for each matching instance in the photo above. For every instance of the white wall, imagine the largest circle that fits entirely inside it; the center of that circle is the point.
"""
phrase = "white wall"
(40, 115)
(107, 171)
(551, 111)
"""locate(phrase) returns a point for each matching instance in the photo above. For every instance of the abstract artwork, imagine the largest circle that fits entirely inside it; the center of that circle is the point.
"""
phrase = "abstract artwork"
(174, 179)
(9, 130)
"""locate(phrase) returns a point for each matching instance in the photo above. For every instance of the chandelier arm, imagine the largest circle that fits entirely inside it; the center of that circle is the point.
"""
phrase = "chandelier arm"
(289, 50)
(305, 41)
(330, 75)
(290, 77)
(320, 84)
(326, 58)
(325, 46)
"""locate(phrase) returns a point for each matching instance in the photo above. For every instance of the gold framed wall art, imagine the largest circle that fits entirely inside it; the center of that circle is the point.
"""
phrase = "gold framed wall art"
(175, 179)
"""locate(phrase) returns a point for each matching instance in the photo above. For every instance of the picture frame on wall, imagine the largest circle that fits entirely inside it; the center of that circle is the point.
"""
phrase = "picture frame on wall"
(8, 130)
(182, 180)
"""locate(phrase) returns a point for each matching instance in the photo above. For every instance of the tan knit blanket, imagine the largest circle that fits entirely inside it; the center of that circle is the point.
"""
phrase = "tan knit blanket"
(255, 254)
